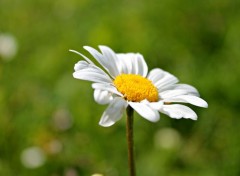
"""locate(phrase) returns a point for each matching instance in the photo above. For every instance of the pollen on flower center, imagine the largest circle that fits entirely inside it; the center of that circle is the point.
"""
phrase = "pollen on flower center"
(136, 88)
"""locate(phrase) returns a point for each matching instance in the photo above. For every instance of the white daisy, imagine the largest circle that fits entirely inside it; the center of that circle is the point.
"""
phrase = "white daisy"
(124, 81)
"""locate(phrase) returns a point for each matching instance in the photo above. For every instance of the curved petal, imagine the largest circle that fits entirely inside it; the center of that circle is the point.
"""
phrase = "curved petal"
(111, 60)
(155, 74)
(145, 111)
(107, 59)
(178, 111)
(156, 105)
(107, 87)
(132, 63)
(140, 65)
(90, 72)
(188, 99)
(161, 79)
(88, 60)
(91, 76)
(190, 90)
(171, 93)
(81, 65)
(114, 112)
(125, 62)
(102, 96)
(98, 56)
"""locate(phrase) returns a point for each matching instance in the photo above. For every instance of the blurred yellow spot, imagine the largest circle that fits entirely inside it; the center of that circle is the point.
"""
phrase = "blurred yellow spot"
(136, 88)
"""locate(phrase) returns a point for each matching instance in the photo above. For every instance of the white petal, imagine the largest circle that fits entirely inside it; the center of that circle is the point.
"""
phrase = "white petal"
(171, 93)
(91, 76)
(108, 59)
(111, 60)
(179, 111)
(188, 88)
(156, 105)
(145, 111)
(161, 78)
(88, 60)
(188, 99)
(126, 62)
(90, 72)
(167, 80)
(81, 65)
(114, 112)
(102, 96)
(107, 87)
(98, 56)
(155, 74)
(141, 65)
(132, 63)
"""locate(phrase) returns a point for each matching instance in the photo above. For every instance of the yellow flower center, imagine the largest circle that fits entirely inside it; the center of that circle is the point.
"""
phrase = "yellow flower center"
(136, 88)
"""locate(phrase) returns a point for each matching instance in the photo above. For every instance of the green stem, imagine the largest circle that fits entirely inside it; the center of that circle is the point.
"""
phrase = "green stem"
(131, 162)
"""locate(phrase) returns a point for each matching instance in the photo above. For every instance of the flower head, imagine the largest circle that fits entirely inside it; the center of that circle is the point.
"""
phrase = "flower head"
(124, 81)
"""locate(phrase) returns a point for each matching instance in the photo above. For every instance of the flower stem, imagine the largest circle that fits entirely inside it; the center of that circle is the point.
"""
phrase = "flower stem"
(131, 162)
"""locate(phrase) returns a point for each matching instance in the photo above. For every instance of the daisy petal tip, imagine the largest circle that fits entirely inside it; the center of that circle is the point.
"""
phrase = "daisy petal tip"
(156, 119)
(74, 75)
(106, 50)
(102, 46)
(85, 46)
(205, 105)
(193, 117)
(202, 103)
(89, 49)
(105, 124)
(73, 51)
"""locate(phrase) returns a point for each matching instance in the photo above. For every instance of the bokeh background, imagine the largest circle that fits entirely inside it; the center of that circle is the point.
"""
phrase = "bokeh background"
(49, 120)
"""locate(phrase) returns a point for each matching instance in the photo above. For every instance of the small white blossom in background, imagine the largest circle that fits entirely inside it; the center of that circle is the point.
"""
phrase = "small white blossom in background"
(54, 146)
(33, 157)
(62, 119)
(8, 46)
(167, 138)
(97, 174)
(71, 172)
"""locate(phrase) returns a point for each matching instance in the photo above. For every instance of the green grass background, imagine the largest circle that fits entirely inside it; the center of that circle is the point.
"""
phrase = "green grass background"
(198, 41)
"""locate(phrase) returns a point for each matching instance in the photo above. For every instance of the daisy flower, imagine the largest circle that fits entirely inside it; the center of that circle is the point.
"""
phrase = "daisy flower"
(123, 80)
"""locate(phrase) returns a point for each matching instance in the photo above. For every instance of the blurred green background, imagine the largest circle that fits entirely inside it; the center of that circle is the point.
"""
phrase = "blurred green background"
(49, 120)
